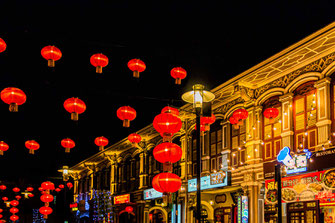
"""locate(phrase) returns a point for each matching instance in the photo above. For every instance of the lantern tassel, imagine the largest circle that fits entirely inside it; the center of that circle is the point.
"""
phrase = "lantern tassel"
(101, 148)
(236, 126)
(1, 153)
(136, 74)
(98, 69)
(74, 116)
(126, 123)
(178, 81)
(167, 137)
(67, 150)
(47, 204)
(45, 216)
(13, 107)
(51, 63)
(31, 151)
(271, 120)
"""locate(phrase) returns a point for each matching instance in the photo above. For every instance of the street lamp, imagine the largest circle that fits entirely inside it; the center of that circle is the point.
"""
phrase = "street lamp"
(65, 172)
(197, 97)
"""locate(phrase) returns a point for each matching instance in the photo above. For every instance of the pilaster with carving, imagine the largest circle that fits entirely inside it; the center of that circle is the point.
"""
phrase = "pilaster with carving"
(323, 111)
(287, 120)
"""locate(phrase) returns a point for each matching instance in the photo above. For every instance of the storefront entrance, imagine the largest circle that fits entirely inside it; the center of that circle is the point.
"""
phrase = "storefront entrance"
(156, 216)
(303, 212)
(126, 217)
(223, 215)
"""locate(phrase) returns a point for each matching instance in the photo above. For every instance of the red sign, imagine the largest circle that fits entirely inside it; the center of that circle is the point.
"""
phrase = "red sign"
(121, 199)
(304, 187)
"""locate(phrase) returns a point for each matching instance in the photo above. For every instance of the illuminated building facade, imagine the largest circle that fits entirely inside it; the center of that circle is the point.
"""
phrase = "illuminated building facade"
(237, 164)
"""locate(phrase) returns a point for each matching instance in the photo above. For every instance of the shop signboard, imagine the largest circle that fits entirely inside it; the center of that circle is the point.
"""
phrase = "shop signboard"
(245, 209)
(295, 164)
(121, 199)
(151, 193)
(310, 186)
(218, 179)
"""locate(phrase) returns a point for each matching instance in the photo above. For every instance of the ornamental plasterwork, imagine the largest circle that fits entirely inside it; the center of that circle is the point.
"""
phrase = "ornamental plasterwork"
(316, 66)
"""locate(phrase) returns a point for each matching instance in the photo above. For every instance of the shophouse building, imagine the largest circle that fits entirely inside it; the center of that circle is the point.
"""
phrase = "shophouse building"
(299, 82)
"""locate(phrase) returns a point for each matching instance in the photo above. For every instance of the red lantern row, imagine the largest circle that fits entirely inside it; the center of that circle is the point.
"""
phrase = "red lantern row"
(99, 60)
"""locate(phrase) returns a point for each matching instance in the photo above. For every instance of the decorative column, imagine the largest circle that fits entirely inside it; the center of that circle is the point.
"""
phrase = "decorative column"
(183, 160)
(226, 146)
(251, 188)
(113, 176)
(75, 186)
(253, 136)
(287, 120)
(143, 169)
(189, 158)
(323, 112)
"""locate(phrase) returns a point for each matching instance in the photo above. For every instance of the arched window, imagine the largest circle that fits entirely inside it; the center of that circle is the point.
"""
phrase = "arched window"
(215, 146)
(304, 117)
(272, 130)
(238, 140)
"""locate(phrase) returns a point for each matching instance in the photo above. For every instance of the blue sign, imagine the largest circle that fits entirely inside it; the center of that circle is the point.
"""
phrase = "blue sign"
(151, 194)
(284, 155)
(219, 179)
(295, 164)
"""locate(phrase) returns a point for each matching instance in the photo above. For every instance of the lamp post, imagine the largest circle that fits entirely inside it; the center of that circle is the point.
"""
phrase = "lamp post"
(197, 97)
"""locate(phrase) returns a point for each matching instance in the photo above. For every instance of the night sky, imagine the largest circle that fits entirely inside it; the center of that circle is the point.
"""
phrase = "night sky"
(212, 41)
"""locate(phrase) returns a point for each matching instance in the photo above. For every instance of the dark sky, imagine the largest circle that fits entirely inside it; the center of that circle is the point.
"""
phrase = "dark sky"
(211, 40)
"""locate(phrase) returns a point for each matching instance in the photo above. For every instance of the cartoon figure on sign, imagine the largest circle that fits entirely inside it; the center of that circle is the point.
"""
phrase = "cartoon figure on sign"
(284, 156)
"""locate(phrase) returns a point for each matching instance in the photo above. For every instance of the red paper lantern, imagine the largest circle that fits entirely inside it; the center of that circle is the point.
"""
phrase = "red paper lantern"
(47, 198)
(30, 195)
(166, 182)
(168, 109)
(134, 139)
(178, 73)
(68, 144)
(99, 61)
(208, 120)
(14, 203)
(32, 145)
(129, 209)
(167, 124)
(61, 186)
(3, 147)
(5, 198)
(69, 185)
(1, 210)
(47, 185)
(13, 210)
(240, 114)
(18, 197)
(30, 189)
(45, 211)
(234, 122)
(137, 66)
(126, 114)
(75, 106)
(57, 190)
(3, 45)
(167, 152)
(101, 142)
(14, 218)
(16, 189)
(40, 189)
(271, 114)
(14, 97)
(203, 128)
(3, 187)
(51, 54)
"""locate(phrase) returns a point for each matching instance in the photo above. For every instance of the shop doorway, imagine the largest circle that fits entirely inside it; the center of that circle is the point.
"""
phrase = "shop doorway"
(156, 216)
(223, 215)
(303, 212)
(126, 217)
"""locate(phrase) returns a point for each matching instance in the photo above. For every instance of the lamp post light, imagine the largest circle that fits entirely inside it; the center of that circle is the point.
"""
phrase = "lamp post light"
(197, 97)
